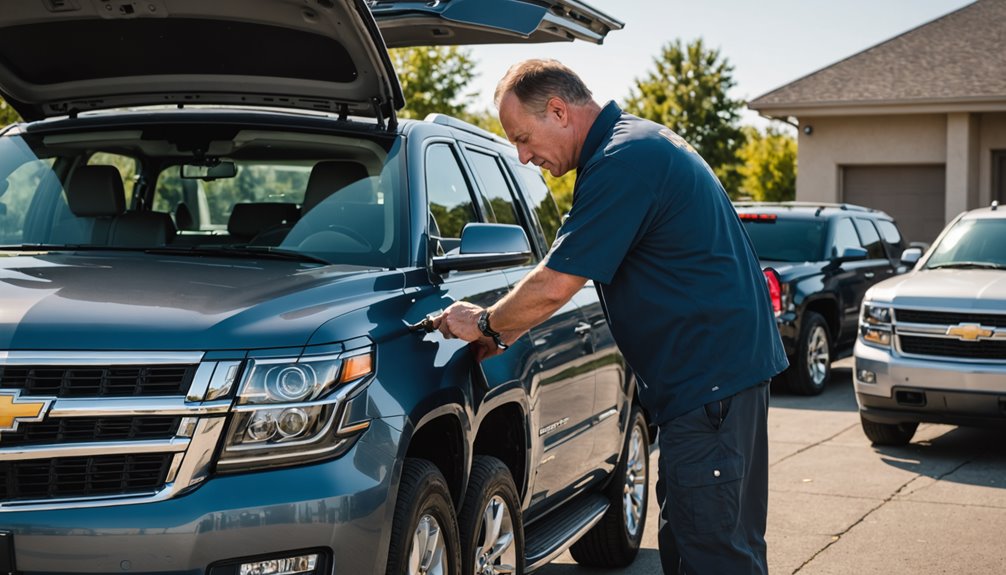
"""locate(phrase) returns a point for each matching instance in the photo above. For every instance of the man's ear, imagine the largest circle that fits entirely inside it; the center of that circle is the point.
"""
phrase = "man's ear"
(556, 108)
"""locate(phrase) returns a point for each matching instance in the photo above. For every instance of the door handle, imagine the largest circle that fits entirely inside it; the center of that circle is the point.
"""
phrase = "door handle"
(582, 328)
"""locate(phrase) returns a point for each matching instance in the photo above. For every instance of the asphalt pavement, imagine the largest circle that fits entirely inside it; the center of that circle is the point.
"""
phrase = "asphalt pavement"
(840, 506)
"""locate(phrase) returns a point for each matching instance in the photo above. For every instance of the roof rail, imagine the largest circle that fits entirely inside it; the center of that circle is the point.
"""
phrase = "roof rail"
(452, 122)
(819, 205)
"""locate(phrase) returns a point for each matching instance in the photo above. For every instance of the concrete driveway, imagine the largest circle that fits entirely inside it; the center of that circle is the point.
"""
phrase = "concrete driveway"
(840, 506)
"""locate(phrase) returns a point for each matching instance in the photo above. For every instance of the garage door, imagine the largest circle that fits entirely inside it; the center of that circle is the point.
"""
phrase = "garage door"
(914, 195)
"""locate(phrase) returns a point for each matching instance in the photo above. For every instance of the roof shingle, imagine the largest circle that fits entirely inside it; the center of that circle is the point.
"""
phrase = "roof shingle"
(958, 57)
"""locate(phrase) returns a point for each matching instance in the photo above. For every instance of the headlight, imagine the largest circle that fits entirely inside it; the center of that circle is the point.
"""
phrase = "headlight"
(876, 315)
(286, 409)
(875, 325)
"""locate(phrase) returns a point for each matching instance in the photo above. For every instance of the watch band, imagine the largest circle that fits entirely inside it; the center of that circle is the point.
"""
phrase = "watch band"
(488, 331)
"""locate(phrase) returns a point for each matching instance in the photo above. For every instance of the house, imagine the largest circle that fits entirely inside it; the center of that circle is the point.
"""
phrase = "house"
(914, 126)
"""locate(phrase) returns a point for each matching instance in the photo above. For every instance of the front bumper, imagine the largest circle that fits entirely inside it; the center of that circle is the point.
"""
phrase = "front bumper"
(929, 390)
(342, 507)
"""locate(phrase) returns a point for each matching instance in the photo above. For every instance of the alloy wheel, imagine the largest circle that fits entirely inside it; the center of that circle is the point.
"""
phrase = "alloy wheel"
(428, 554)
(634, 492)
(818, 355)
(497, 552)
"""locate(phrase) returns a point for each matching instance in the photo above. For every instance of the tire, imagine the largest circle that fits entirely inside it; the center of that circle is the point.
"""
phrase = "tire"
(424, 532)
(810, 369)
(614, 541)
(888, 433)
(491, 507)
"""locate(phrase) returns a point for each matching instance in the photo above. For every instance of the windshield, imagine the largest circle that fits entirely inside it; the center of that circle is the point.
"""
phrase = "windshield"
(206, 191)
(972, 243)
(786, 240)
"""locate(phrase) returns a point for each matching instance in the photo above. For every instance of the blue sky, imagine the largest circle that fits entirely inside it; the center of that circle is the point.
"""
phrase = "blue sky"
(770, 42)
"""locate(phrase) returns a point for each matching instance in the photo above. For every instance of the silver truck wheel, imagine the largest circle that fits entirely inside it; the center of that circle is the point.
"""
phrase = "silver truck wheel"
(424, 532)
(491, 522)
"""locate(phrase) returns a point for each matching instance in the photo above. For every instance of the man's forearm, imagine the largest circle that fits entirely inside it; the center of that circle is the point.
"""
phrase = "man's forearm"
(535, 299)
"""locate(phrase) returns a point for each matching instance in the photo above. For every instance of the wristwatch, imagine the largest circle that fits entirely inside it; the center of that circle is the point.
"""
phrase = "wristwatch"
(487, 331)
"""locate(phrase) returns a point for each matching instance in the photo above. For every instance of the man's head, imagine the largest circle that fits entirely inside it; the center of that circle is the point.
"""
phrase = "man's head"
(546, 111)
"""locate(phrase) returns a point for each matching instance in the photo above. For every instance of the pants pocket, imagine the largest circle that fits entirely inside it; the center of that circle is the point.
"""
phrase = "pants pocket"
(708, 495)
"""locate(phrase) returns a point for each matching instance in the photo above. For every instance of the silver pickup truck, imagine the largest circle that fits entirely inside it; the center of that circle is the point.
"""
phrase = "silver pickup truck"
(932, 343)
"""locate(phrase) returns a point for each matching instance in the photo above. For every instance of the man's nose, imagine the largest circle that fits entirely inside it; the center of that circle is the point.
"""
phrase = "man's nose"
(523, 154)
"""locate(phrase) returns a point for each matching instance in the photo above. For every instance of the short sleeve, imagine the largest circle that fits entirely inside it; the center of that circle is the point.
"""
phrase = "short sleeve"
(611, 209)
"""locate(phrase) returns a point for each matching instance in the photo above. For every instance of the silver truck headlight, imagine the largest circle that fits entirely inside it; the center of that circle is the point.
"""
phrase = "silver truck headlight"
(875, 326)
(287, 408)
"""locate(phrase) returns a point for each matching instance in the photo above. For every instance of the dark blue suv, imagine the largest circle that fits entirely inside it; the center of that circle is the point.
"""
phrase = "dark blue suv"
(220, 245)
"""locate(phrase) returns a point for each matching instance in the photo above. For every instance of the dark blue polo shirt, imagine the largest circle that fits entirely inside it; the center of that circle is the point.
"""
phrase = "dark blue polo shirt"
(684, 294)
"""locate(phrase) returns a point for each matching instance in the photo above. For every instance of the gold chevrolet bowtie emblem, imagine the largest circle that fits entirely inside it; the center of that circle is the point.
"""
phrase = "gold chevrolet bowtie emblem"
(13, 411)
(969, 332)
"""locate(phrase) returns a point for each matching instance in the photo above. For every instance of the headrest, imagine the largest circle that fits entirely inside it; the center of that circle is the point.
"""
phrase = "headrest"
(247, 220)
(330, 177)
(96, 191)
(183, 217)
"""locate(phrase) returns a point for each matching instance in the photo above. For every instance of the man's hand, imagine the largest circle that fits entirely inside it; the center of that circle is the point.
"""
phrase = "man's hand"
(460, 321)
(484, 348)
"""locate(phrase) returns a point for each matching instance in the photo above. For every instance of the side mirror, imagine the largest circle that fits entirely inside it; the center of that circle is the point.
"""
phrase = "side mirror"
(209, 172)
(487, 247)
(853, 254)
(910, 256)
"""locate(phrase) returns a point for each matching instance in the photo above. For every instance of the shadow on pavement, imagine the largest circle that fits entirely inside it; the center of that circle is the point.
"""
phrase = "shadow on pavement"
(648, 561)
(838, 395)
(967, 455)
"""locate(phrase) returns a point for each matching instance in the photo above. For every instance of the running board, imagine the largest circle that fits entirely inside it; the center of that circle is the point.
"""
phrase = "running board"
(547, 538)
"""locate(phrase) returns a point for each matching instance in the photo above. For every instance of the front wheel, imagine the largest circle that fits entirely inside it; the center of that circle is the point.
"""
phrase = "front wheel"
(424, 534)
(491, 521)
(810, 369)
(888, 433)
(614, 541)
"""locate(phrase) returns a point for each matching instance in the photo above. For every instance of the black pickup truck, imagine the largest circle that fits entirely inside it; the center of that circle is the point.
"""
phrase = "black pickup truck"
(825, 257)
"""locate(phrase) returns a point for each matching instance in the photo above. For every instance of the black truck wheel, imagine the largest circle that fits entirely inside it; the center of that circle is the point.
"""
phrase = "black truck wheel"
(614, 541)
(810, 368)
(490, 521)
(888, 433)
(424, 534)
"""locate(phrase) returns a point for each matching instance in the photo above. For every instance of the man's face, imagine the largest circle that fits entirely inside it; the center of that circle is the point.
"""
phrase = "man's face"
(545, 140)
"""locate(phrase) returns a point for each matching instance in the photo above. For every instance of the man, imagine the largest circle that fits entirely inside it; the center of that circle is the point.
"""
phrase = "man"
(684, 296)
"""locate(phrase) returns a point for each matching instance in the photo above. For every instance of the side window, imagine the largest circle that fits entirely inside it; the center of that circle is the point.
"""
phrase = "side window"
(892, 238)
(495, 187)
(450, 197)
(871, 239)
(127, 169)
(543, 203)
(845, 237)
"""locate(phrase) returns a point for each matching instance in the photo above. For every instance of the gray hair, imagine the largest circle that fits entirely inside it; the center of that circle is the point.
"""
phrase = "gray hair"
(536, 81)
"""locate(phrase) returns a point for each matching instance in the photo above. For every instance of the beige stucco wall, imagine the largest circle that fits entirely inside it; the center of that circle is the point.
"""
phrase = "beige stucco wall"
(963, 142)
(863, 140)
(992, 137)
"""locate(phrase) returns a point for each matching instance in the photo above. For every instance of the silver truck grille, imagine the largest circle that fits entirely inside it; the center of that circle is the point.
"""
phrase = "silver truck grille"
(93, 429)
(962, 336)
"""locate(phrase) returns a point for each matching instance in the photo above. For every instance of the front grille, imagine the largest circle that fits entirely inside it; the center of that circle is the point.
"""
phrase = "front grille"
(89, 429)
(98, 381)
(84, 476)
(945, 347)
(949, 318)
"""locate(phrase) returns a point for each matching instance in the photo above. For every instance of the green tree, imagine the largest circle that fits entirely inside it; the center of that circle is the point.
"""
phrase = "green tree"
(687, 92)
(7, 114)
(434, 79)
(768, 165)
